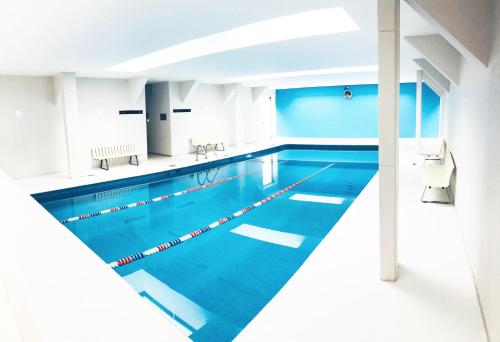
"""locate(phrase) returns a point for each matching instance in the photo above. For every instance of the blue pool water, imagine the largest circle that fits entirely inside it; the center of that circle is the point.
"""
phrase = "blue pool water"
(213, 285)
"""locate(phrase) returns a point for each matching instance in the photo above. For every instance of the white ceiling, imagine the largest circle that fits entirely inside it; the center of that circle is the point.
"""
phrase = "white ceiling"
(86, 37)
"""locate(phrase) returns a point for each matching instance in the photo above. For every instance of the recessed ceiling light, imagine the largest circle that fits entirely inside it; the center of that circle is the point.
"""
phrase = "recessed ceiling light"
(305, 24)
(345, 70)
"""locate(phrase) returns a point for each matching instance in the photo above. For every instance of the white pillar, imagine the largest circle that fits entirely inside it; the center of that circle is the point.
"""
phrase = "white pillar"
(418, 116)
(388, 95)
(273, 115)
(67, 101)
(238, 117)
(442, 107)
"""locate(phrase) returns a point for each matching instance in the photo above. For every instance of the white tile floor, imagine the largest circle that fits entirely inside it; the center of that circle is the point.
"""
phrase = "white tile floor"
(53, 288)
(336, 295)
(9, 330)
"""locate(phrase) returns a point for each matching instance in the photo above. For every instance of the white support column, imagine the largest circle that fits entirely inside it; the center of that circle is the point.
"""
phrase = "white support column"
(418, 116)
(67, 101)
(442, 107)
(238, 119)
(388, 95)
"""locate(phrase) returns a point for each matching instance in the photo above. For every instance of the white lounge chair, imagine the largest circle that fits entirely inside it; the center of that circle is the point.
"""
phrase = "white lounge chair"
(103, 154)
(439, 176)
(432, 149)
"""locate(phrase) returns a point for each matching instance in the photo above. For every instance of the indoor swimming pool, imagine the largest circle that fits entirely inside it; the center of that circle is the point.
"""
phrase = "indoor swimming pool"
(211, 248)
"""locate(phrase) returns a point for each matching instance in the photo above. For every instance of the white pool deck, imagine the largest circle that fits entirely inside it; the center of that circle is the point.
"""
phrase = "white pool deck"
(154, 163)
(335, 296)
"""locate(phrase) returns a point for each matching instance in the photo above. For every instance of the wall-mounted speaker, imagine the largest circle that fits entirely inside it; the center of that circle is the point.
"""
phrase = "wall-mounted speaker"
(347, 93)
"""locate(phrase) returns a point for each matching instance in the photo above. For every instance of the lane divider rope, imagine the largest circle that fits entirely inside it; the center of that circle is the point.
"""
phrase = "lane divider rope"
(166, 245)
(152, 200)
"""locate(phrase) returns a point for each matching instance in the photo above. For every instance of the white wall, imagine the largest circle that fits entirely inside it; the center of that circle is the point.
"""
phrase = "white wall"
(472, 130)
(99, 101)
(238, 118)
(157, 102)
(32, 140)
(259, 116)
(209, 116)
(32, 136)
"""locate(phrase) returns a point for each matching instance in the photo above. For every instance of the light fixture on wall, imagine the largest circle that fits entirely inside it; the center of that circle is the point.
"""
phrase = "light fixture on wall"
(347, 93)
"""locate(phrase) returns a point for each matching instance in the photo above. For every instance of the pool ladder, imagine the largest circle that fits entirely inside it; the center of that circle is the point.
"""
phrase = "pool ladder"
(207, 173)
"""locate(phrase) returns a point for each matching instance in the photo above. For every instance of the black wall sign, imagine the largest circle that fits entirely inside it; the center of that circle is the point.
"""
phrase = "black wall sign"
(131, 111)
(182, 110)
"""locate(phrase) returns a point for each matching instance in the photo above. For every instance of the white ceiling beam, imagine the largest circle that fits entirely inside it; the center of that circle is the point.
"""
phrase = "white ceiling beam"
(433, 85)
(228, 91)
(441, 54)
(432, 72)
(136, 87)
(257, 93)
(467, 25)
(187, 89)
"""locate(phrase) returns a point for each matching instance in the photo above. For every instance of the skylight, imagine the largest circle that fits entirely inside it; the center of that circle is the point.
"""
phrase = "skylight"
(305, 24)
(329, 71)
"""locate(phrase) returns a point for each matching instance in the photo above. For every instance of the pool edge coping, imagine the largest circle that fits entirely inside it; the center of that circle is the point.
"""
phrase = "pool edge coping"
(104, 185)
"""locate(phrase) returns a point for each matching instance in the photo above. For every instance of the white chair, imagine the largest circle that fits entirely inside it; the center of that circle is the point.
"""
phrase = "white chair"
(432, 149)
(104, 153)
(439, 176)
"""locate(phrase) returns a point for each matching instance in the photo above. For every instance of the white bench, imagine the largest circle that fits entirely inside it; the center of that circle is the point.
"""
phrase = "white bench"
(438, 176)
(103, 154)
(433, 149)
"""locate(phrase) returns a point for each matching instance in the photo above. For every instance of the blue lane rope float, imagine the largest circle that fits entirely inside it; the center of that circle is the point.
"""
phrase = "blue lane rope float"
(166, 245)
(152, 200)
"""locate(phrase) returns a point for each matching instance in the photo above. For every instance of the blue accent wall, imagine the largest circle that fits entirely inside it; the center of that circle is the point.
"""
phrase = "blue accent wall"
(322, 112)
(430, 112)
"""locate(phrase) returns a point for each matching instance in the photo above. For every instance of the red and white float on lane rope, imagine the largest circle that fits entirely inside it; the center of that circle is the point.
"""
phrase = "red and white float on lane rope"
(152, 200)
(166, 245)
